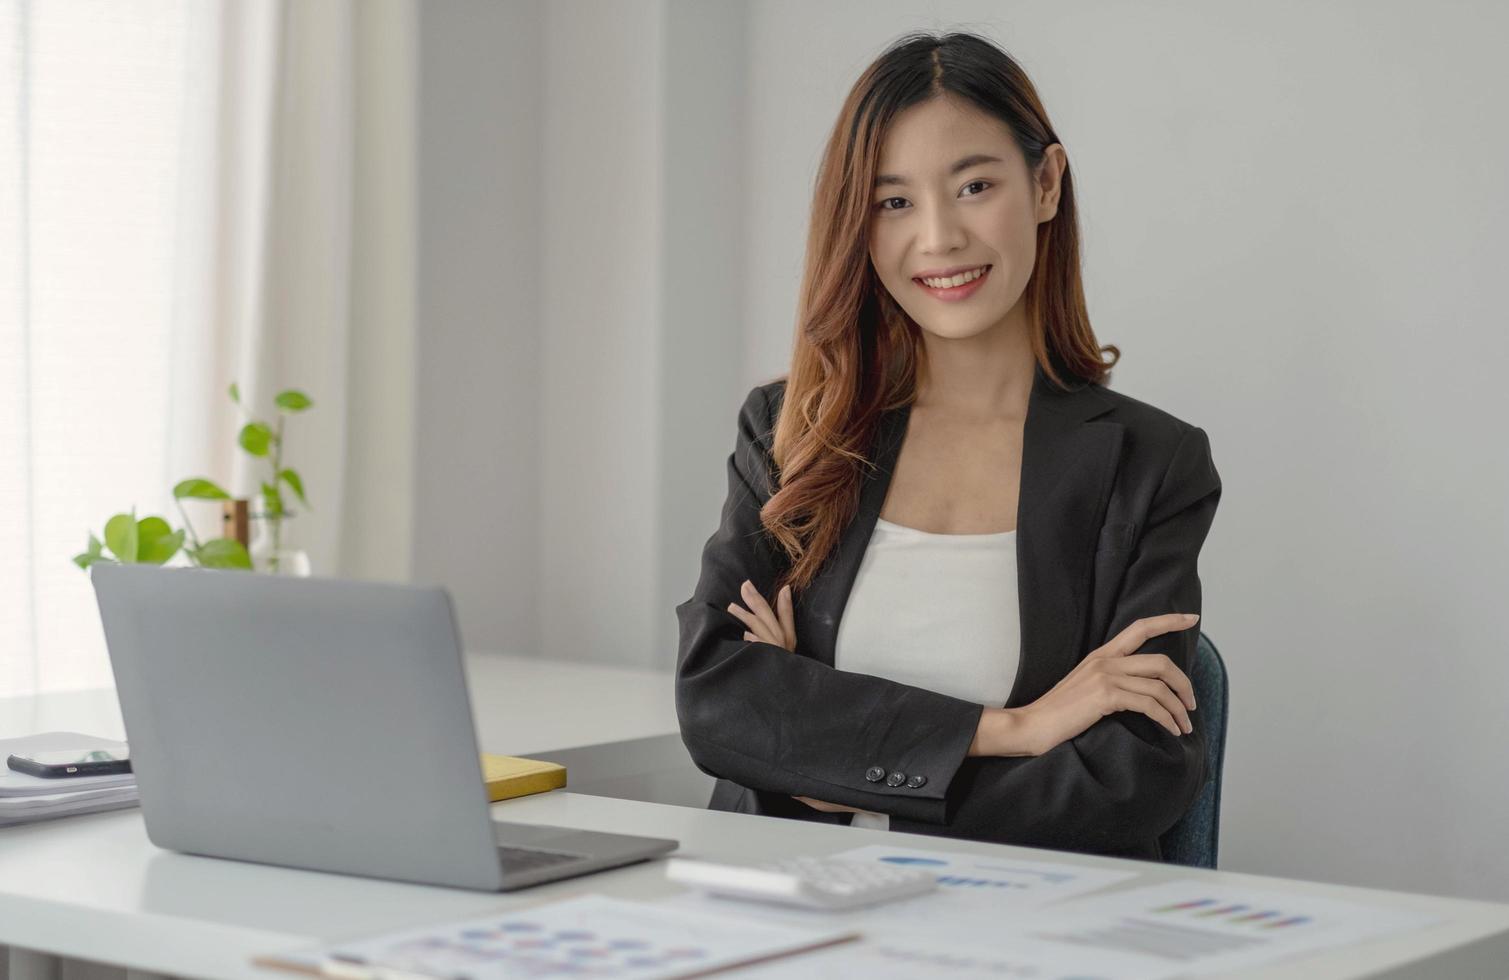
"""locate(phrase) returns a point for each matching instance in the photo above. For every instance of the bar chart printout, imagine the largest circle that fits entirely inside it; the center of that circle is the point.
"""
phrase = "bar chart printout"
(1193, 925)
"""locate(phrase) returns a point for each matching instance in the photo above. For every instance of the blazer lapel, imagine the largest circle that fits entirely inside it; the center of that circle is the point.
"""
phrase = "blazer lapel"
(1069, 464)
(1068, 467)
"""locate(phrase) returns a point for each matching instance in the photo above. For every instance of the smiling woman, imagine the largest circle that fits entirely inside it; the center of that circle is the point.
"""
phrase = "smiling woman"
(977, 558)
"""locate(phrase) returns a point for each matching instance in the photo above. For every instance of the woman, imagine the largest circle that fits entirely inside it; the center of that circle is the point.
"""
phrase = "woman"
(980, 563)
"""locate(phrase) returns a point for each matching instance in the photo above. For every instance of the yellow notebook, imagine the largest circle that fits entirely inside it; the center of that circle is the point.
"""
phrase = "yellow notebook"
(507, 776)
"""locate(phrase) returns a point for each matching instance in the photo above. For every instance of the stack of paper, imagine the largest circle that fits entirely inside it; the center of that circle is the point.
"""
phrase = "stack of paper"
(25, 798)
(586, 935)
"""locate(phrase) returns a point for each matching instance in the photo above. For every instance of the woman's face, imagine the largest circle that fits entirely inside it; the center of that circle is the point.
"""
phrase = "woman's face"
(937, 219)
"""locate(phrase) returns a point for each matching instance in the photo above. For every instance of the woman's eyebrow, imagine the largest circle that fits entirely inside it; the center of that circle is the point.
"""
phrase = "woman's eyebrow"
(974, 159)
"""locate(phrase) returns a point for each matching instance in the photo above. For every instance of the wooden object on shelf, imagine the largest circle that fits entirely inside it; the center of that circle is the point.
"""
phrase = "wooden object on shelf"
(236, 521)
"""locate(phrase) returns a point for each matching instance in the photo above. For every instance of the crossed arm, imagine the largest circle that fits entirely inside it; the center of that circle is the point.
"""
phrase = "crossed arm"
(771, 719)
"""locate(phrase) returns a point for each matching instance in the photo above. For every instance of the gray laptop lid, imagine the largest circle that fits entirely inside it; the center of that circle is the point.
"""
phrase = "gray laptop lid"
(311, 722)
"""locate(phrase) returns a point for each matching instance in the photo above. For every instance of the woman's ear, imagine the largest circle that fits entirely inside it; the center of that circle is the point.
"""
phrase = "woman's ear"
(1050, 181)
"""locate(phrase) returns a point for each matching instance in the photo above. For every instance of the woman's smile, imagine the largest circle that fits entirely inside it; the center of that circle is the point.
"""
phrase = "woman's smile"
(954, 294)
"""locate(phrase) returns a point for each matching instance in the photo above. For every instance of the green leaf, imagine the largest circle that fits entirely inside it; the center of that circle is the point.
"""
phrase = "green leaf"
(177, 543)
(201, 489)
(121, 537)
(292, 401)
(291, 478)
(158, 541)
(149, 529)
(272, 500)
(90, 555)
(255, 438)
(235, 393)
(223, 553)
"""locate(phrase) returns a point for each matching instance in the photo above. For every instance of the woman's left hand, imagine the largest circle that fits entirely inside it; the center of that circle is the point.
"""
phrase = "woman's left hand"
(765, 624)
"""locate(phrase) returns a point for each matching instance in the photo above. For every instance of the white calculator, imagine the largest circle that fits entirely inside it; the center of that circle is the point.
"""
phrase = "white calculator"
(808, 882)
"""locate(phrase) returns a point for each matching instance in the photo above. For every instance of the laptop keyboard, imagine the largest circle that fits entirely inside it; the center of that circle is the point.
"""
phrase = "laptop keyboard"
(517, 859)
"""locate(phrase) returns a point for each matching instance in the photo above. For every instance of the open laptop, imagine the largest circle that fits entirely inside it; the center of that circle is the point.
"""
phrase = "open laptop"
(317, 723)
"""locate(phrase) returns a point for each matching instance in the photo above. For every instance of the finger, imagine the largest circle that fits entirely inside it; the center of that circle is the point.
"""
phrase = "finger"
(761, 608)
(757, 629)
(746, 617)
(758, 638)
(1148, 706)
(788, 616)
(1142, 630)
(1160, 666)
(1154, 687)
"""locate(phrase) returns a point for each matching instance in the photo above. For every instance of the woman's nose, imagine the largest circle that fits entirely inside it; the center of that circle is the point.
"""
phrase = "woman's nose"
(942, 232)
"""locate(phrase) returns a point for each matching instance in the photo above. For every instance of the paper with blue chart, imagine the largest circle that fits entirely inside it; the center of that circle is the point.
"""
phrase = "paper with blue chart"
(1008, 883)
(586, 935)
(976, 895)
(958, 931)
(999, 918)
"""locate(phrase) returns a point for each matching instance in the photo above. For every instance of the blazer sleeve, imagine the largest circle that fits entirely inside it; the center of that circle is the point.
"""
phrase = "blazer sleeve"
(770, 719)
(1126, 779)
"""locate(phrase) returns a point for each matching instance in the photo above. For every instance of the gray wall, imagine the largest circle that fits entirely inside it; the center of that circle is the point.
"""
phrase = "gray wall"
(1295, 226)
(479, 299)
(703, 288)
(600, 326)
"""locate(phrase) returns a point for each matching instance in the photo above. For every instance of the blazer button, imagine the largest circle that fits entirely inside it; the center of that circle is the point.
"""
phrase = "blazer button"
(896, 778)
(874, 774)
(916, 782)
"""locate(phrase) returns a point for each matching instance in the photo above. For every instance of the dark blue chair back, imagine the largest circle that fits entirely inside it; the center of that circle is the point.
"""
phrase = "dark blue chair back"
(1194, 840)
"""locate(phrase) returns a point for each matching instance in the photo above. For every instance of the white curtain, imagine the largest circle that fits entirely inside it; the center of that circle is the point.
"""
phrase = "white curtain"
(305, 229)
(195, 193)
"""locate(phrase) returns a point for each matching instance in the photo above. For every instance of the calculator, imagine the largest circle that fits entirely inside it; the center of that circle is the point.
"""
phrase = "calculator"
(807, 882)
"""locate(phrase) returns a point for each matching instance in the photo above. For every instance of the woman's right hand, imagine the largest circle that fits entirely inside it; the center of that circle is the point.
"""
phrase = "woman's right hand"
(1112, 678)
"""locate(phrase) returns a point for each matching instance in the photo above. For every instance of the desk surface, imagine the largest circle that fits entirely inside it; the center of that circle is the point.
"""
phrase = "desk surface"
(93, 887)
(512, 719)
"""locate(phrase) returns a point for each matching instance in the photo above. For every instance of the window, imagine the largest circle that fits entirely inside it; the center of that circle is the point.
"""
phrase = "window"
(91, 110)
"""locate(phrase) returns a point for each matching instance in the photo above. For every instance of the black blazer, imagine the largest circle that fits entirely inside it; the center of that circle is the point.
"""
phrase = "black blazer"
(1116, 499)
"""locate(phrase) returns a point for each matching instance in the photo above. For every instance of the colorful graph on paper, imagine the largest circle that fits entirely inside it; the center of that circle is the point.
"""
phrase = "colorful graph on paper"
(585, 936)
(1189, 922)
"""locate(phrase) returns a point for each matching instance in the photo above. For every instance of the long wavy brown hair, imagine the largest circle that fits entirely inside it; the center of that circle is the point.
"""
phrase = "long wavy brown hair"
(856, 351)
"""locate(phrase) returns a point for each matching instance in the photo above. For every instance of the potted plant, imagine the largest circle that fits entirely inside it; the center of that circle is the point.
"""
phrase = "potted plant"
(152, 540)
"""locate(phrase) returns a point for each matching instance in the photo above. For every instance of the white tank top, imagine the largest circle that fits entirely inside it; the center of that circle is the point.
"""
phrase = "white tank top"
(936, 611)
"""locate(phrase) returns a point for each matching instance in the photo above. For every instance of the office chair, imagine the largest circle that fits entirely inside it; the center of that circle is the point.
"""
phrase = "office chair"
(1193, 840)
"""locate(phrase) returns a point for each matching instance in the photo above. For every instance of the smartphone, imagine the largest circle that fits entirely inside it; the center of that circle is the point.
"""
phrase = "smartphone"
(101, 760)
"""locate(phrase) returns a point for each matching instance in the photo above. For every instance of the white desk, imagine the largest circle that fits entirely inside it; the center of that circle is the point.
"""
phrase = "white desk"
(612, 704)
(94, 888)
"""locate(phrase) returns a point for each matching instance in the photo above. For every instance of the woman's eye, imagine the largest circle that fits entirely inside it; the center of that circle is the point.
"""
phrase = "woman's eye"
(983, 183)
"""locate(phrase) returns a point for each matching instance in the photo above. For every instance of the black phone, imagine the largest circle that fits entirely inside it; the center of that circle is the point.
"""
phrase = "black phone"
(60, 763)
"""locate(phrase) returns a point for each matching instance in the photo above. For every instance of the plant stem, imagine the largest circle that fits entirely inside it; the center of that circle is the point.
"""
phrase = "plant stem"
(277, 520)
(186, 523)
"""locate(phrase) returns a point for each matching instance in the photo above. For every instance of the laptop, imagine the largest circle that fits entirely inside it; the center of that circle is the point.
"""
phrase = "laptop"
(317, 723)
